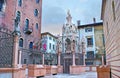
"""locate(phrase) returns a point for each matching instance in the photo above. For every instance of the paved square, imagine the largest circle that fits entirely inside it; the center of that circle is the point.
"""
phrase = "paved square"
(82, 75)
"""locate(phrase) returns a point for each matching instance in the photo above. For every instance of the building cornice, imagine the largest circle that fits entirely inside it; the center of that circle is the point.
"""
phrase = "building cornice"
(90, 25)
(47, 33)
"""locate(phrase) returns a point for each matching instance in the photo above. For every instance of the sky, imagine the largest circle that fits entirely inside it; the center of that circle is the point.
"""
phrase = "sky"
(54, 13)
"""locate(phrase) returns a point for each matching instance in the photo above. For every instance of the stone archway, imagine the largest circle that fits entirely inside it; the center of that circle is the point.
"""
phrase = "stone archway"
(68, 45)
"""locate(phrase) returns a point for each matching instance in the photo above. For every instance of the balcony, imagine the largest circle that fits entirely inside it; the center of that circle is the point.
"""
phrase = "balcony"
(28, 31)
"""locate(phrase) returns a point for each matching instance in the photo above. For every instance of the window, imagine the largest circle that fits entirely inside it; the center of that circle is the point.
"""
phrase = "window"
(37, 26)
(26, 24)
(89, 41)
(36, 12)
(21, 42)
(88, 29)
(31, 45)
(33, 61)
(53, 39)
(37, 1)
(90, 55)
(113, 9)
(49, 45)
(68, 44)
(2, 3)
(50, 38)
(25, 61)
(53, 47)
(18, 15)
(19, 2)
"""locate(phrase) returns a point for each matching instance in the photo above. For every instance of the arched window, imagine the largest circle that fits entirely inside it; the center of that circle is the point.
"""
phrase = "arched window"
(19, 2)
(37, 26)
(26, 24)
(21, 42)
(31, 45)
(18, 14)
(68, 44)
(36, 12)
(2, 3)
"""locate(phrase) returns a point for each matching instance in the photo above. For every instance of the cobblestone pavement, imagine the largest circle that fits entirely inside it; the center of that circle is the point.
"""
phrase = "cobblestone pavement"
(82, 75)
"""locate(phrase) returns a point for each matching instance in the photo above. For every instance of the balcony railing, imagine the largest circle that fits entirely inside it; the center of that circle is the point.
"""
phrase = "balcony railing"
(28, 31)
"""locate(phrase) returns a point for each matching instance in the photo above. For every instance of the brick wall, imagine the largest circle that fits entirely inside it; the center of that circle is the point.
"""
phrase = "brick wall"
(27, 12)
(112, 35)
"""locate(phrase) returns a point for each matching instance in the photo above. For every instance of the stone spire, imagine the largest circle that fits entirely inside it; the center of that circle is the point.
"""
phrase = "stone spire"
(69, 18)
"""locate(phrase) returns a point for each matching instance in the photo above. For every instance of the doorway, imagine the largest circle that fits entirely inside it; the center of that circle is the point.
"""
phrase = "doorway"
(66, 66)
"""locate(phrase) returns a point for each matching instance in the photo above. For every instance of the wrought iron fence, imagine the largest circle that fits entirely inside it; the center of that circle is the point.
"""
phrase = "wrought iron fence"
(78, 56)
(6, 48)
(30, 56)
(50, 58)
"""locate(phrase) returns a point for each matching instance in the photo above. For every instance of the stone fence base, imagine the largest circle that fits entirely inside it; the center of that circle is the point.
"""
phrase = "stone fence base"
(51, 69)
(36, 70)
(12, 72)
(90, 68)
(60, 69)
(77, 69)
(31, 71)
(103, 71)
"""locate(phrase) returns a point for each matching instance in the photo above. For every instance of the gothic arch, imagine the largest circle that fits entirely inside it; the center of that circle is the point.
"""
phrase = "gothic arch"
(27, 24)
(21, 42)
(31, 45)
(18, 14)
(68, 44)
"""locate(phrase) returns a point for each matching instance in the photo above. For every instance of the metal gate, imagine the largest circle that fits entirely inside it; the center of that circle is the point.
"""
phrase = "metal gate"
(67, 59)
(67, 64)
(6, 48)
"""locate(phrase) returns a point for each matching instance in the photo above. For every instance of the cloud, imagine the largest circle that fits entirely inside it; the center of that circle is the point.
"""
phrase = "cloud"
(53, 15)
(54, 12)
(53, 28)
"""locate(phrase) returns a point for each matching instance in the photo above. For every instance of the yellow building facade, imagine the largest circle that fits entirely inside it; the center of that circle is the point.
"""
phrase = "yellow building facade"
(99, 41)
(93, 36)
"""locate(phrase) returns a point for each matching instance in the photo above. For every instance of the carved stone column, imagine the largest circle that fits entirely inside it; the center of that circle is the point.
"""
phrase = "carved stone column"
(15, 51)
(102, 59)
(20, 56)
(16, 34)
(59, 58)
(73, 58)
(83, 51)
(73, 52)
(84, 59)
(43, 59)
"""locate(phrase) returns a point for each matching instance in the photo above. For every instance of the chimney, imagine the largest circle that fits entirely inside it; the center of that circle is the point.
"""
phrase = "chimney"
(78, 23)
(94, 20)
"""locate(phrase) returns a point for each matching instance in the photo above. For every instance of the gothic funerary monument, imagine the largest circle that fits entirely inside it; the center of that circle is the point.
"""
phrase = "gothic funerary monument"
(70, 46)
